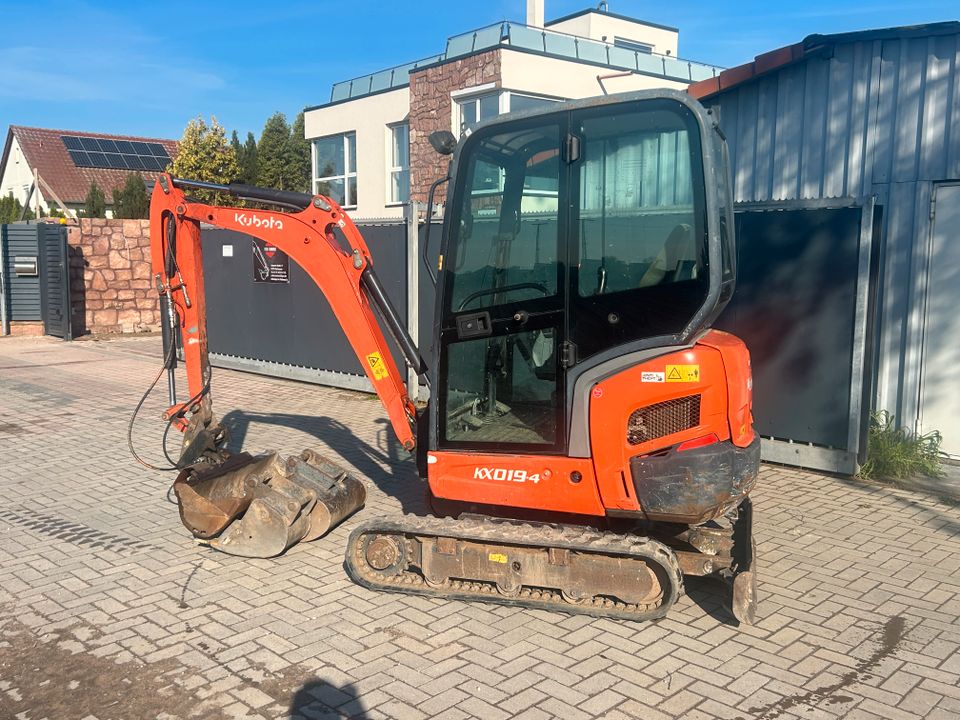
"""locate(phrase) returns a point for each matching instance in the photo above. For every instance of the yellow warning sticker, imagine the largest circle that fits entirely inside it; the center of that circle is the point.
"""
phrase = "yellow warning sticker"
(377, 368)
(683, 373)
(497, 558)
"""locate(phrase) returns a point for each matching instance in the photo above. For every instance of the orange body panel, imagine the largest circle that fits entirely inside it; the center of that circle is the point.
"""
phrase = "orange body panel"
(736, 364)
(543, 482)
(614, 399)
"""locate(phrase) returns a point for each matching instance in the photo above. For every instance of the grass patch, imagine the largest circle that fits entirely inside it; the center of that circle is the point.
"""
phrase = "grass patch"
(896, 453)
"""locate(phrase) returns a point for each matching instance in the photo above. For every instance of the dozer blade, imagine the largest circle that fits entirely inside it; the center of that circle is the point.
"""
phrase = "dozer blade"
(260, 506)
(744, 586)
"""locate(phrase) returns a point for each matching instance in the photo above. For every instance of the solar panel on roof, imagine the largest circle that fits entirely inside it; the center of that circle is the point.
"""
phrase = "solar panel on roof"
(98, 160)
(116, 154)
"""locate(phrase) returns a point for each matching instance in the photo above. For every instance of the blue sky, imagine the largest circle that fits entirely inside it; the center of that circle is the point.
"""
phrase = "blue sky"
(147, 68)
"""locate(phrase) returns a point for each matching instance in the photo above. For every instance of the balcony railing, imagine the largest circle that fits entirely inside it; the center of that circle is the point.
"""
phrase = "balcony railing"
(535, 40)
(379, 81)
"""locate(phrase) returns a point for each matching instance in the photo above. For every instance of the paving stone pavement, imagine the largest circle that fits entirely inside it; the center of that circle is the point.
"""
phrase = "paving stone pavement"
(108, 609)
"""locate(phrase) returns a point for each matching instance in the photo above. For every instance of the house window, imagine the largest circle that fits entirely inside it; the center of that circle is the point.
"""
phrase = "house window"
(632, 45)
(335, 163)
(398, 176)
(477, 109)
(520, 102)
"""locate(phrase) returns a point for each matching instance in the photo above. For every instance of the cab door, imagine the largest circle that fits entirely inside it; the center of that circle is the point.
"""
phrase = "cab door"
(502, 338)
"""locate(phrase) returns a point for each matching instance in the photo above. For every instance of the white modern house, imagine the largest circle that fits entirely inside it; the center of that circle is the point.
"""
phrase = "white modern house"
(370, 149)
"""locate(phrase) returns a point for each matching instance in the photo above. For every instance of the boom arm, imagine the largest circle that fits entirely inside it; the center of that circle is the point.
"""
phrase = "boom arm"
(345, 276)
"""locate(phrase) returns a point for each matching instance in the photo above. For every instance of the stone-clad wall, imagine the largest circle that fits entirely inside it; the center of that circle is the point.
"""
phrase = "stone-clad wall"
(430, 109)
(110, 287)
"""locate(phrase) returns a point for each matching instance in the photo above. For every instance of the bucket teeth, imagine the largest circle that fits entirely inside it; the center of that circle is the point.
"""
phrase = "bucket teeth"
(260, 506)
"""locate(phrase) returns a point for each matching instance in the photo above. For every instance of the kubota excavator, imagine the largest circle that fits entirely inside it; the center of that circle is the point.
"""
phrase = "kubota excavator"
(588, 438)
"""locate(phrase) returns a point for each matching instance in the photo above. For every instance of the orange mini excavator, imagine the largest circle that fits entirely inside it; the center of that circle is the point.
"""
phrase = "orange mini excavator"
(588, 438)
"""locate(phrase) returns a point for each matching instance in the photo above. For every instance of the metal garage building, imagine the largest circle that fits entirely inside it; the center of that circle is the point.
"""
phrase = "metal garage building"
(859, 117)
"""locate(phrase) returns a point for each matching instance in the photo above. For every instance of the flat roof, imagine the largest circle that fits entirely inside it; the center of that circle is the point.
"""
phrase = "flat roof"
(581, 13)
(520, 37)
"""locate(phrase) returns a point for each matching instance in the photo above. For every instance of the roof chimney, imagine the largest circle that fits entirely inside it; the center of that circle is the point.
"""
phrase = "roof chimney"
(535, 13)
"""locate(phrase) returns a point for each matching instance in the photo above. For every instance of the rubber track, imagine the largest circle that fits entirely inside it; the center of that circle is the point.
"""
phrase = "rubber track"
(510, 532)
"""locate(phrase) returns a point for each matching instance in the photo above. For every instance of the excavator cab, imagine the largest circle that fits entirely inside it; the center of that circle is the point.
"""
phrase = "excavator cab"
(572, 237)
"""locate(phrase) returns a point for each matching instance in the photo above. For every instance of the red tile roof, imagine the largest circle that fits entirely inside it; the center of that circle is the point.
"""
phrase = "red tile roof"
(44, 150)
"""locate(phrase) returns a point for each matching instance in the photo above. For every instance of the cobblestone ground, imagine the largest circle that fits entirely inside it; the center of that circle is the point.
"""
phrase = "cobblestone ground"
(108, 609)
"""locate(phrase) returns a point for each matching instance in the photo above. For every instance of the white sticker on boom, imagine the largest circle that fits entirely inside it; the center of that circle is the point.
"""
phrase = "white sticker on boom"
(228, 251)
(652, 377)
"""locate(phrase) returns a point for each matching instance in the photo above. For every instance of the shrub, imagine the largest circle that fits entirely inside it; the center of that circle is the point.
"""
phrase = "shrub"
(897, 453)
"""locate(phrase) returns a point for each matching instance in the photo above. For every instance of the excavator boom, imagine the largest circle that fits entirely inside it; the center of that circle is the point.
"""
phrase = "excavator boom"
(259, 506)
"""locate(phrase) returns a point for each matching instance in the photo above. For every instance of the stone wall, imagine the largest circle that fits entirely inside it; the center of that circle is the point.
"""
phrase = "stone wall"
(430, 109)
(110, 286)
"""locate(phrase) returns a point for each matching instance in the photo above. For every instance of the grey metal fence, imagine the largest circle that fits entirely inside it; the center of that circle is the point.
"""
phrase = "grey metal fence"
(803, 306)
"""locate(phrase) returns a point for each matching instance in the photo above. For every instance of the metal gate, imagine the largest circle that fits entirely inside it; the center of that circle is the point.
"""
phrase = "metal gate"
(54, 280)
(277, 321)
(803, 307)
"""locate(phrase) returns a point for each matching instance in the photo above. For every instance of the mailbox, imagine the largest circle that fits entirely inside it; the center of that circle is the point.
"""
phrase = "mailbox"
(25, 265)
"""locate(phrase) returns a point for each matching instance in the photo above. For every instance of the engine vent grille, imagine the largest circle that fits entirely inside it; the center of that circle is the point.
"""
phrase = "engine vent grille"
(663, 418)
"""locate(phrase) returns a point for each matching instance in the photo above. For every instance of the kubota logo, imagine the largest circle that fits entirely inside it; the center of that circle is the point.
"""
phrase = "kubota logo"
(269, 222)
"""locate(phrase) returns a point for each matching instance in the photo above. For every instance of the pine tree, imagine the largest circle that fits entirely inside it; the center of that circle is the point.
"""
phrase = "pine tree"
(204, 154)
(131, 200)
(10, 209)
(299, 157)
(248, 165)
(273, 169)
(95, 206)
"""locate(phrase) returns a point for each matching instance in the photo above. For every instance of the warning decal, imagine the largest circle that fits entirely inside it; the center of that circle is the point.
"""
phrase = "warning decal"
(683, 373)
(377, 368)
(657, 377)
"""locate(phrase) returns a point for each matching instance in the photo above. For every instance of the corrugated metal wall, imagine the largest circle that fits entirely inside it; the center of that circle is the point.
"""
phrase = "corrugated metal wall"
(878, 117)
(23, 293)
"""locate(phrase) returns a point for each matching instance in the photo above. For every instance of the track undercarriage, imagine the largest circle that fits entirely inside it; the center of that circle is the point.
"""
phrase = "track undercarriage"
(571, 568)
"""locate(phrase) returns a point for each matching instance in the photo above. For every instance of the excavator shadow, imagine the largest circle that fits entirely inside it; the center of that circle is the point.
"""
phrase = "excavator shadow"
(316, 698)
(386, 464)
(712, 597)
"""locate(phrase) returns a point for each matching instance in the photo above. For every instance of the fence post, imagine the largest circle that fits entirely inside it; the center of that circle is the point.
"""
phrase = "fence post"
(411, 211)
(4, 320)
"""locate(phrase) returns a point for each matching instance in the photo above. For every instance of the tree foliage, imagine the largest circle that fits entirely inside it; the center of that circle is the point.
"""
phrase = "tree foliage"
(131, 201)
(273, 169)
(204, 154)
(95, 206)
(246, 158)
(10, 209)
(248, 161)
(299, 153)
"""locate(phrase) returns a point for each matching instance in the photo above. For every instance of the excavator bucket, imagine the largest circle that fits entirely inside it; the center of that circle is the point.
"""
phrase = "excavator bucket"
(258, 506)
